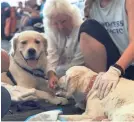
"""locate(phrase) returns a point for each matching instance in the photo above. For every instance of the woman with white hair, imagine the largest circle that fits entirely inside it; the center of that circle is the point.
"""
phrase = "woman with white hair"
(62, 22)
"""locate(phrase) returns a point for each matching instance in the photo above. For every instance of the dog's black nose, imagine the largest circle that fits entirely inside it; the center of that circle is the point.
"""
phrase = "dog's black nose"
(31, 52)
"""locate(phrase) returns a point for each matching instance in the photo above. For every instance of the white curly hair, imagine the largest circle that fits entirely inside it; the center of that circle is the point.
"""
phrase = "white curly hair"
(54, 7)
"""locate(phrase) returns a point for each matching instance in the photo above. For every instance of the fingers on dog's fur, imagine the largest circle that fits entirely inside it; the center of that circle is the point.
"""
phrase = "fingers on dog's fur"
(13, 44)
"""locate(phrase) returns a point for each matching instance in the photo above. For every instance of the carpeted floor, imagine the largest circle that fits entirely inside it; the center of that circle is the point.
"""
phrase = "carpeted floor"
(25, 112)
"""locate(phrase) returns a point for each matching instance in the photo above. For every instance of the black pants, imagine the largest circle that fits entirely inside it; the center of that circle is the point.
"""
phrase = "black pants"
(5, 101)
(97, 31)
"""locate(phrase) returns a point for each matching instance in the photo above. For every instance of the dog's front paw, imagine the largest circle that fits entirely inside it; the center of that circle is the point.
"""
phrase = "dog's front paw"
(64, 101)
(59, 101)
(60, 94)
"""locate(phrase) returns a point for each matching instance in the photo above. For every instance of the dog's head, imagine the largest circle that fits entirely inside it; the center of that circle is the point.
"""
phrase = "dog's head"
(69, 83)
(28, 48)
(62, 83)
(73, 80)
(61, 86)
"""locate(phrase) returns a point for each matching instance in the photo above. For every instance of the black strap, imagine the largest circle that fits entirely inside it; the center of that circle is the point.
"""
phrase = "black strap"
(11, 77)
(119, 68)
(35, 72)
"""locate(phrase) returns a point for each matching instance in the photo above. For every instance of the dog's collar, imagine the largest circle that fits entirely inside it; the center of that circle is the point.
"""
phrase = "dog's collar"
(35, 72)
(90, 85)
(9, 74)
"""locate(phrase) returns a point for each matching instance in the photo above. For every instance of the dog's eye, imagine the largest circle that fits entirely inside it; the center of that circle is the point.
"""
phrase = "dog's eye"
(24, 42)
(37, 41)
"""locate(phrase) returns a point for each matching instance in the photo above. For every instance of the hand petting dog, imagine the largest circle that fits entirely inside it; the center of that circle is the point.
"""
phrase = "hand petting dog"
(107, 81)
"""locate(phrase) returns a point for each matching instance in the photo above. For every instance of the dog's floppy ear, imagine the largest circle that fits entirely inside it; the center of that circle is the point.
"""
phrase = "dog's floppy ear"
(45, 43)
(13, 44)
(71, 85)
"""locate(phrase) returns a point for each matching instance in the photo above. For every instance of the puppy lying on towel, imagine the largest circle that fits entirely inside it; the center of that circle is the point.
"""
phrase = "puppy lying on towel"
(28, 62)
(118, 105)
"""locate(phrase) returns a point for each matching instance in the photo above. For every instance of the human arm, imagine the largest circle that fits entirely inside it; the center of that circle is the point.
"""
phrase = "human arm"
(128, 55)
(107, 81)
(88, 4)
(53, 59)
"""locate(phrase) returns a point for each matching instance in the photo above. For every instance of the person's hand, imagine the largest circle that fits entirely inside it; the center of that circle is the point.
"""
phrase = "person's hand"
(5, 62)
(106, 81)
(52, 81)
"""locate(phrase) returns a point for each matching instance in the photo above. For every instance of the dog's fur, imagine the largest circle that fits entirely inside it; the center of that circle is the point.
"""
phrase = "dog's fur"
(118, 105)
(20, 46)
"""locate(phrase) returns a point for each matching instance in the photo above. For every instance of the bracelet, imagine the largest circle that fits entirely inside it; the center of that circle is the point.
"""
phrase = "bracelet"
(119, 68)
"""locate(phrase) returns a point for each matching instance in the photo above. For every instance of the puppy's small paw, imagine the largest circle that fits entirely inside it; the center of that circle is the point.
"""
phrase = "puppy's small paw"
(59, 101)
(64, 101)
(58, 93)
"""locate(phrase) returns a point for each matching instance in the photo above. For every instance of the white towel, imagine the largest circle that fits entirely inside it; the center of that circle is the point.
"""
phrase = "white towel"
(45, 116)
(20, 93)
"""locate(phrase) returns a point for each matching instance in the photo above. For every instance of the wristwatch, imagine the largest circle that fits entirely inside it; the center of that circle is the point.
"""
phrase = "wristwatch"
(119, 68)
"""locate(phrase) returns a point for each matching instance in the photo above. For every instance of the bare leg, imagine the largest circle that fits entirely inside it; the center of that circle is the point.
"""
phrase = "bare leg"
(94, 53)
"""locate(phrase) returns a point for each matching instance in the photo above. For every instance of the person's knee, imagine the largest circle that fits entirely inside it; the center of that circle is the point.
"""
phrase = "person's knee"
(88, 32)
(91, 29)
(89, 37)
(4, 61)
(93, 52)
(90, 23)
(90, 26)
(89, 43)
(84, 42)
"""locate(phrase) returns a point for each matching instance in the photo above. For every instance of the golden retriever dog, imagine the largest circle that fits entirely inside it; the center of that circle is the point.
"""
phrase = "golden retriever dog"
(118, 105)
(28, 62)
